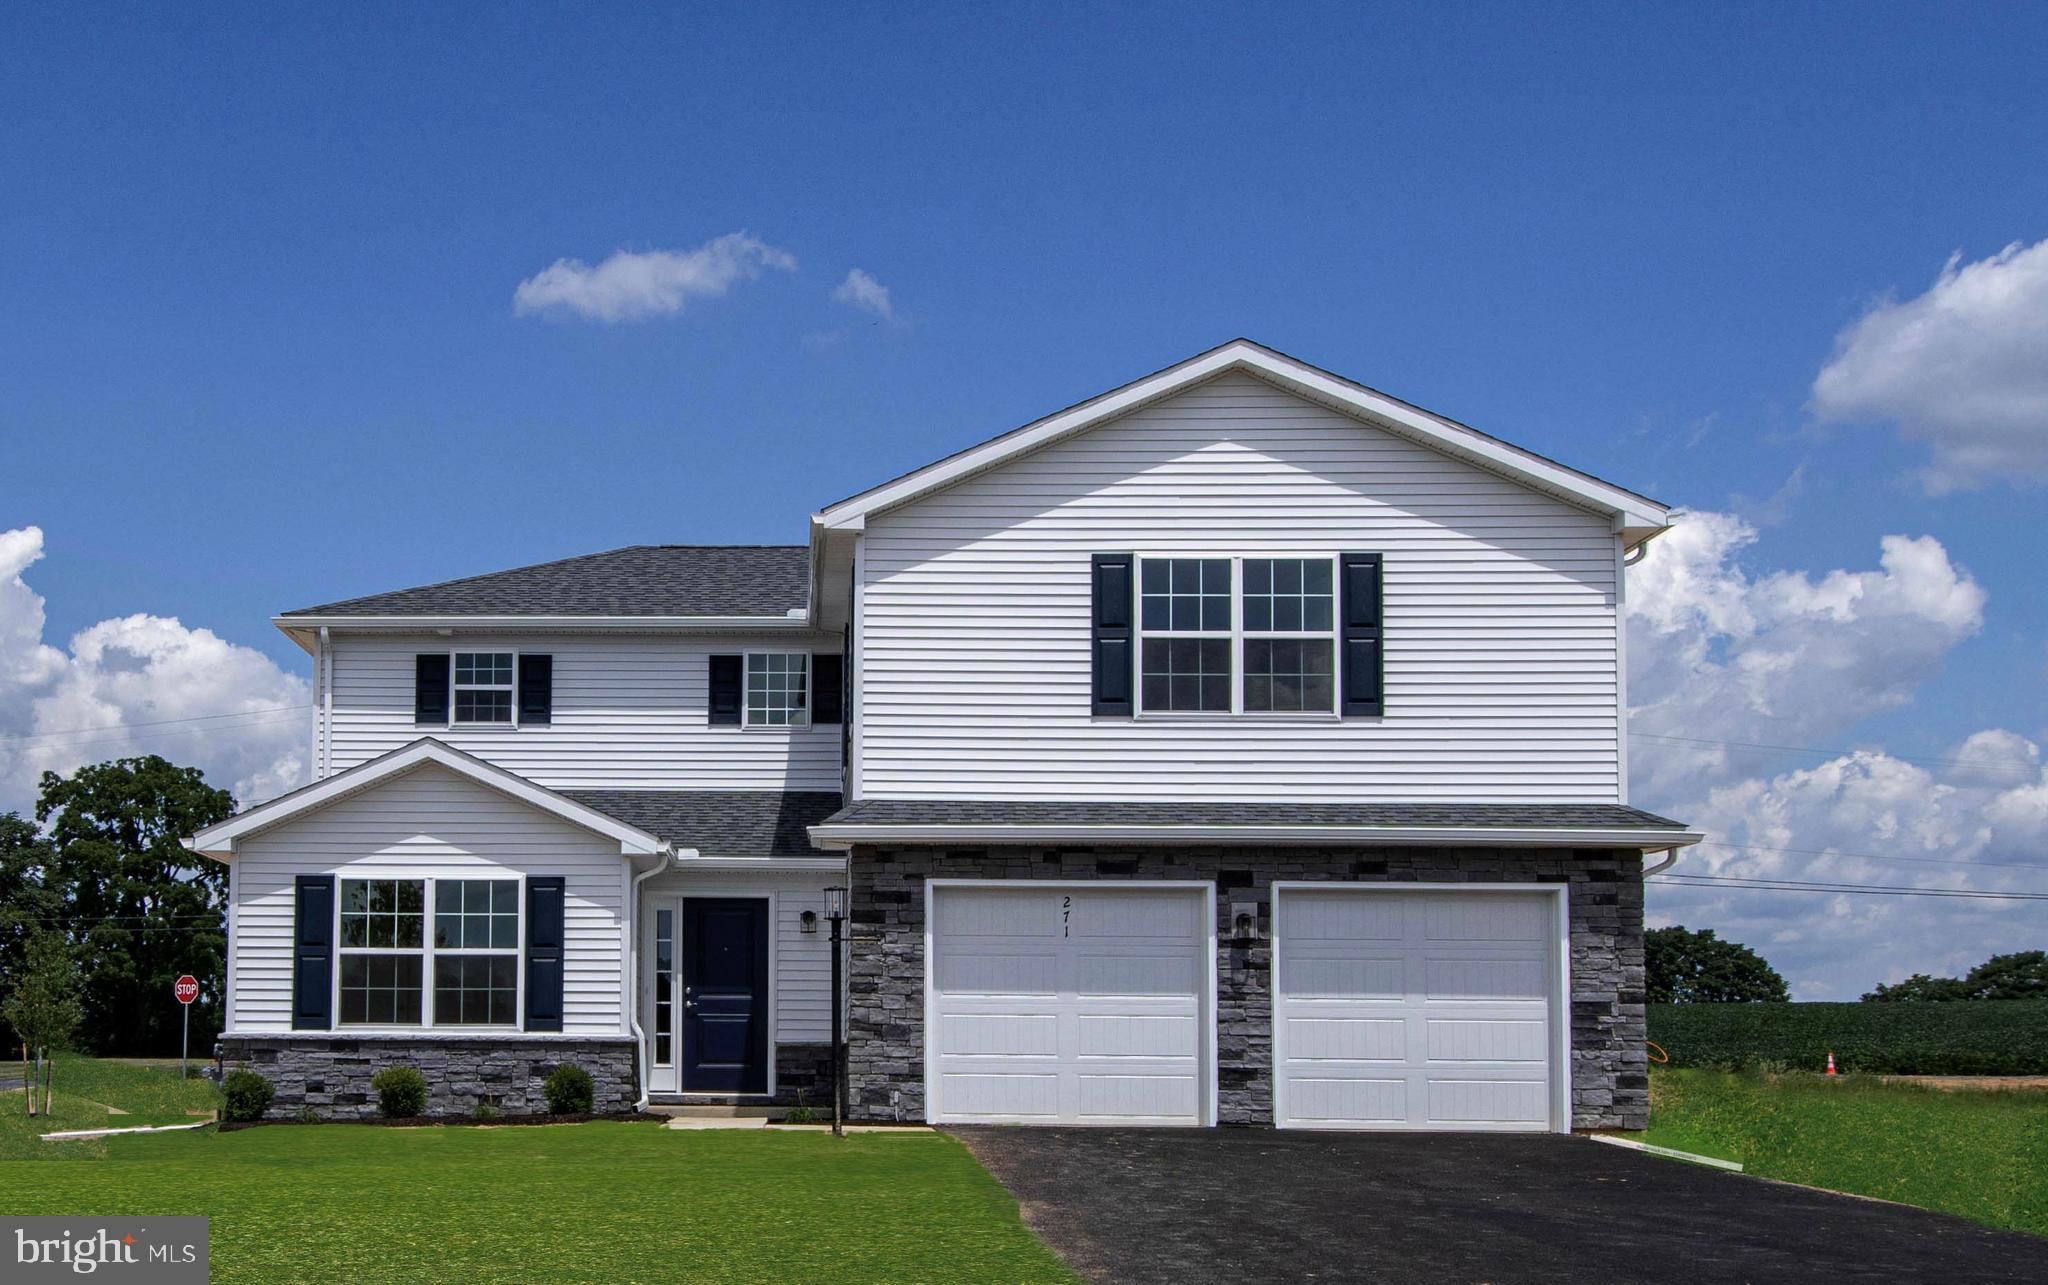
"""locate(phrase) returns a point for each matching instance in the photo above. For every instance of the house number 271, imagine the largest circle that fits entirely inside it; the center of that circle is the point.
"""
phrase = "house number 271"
(1066, 916)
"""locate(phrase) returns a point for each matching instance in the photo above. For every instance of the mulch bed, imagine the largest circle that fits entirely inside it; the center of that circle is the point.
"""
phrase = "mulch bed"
(425, 1121)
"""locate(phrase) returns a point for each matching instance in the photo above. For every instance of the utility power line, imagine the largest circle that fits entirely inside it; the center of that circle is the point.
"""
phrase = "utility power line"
(161, 722)
(1860, 889)
(1827, 753)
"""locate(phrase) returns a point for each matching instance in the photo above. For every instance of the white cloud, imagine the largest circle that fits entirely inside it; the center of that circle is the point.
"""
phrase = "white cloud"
(631, 286)
(1728, 664)
(1781, 659)
(138, 685)
(1963, 367)
(861, 290)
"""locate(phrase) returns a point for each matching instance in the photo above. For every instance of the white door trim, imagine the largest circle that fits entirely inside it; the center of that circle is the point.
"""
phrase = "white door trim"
(1207, 887)
(673, 900)
(1560, 1000)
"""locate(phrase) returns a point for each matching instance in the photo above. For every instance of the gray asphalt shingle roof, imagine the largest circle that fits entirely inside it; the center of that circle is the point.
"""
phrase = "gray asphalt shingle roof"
(1458, 815)
(644, 580)
(721, 823)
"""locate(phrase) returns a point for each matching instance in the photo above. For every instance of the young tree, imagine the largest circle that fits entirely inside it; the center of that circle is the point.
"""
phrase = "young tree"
(26, 905)
(141, 908)
(1686, 967)
(43, 1006)
(2020, 975)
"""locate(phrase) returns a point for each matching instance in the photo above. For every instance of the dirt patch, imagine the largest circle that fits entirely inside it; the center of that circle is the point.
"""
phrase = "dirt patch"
(439, 1121)
(1954, 1083)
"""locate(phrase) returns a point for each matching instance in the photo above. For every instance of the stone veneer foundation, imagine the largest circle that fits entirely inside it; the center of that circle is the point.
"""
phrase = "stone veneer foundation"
(331, 1073)
(885, 1005)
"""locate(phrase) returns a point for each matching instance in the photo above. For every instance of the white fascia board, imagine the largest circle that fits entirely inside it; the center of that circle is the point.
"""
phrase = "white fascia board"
(759, 865)
(841, 837)
(643, 624)
(218, 840)
(1634, 512)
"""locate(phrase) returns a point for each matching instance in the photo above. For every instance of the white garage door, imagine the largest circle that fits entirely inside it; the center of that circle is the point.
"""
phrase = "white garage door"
(1415, 1010)
(1066, 1004)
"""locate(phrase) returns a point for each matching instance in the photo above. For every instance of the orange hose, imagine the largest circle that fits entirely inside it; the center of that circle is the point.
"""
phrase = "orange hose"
(1657, 1053)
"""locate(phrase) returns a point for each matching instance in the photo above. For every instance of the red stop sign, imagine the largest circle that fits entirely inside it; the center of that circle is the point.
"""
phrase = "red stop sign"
(187, 989)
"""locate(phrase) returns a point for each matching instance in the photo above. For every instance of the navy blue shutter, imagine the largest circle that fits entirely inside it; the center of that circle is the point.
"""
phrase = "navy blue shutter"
(725, 690)
(1112, 645)
(828, 688)
(313, 953)
(536, 690)
(544, 952)
(1363, 660)
(430, 687)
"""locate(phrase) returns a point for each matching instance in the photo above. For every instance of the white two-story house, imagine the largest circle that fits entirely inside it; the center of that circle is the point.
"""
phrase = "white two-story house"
(1241, 746)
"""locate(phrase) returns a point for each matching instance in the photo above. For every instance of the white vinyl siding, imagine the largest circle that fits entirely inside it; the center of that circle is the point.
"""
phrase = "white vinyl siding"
(630, 713)
(803, 961)
(1502, 677)
(426, 822)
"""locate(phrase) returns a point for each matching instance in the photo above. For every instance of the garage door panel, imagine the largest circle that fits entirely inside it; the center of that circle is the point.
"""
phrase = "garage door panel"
(1483, 917)
(1350, 1102)
(1121, 1097)
(1335, 976)
(1131, 1035)
(1348, 1039)
(963, 973)
(1000, 1034)
(1100, 1020)
(1179, 973)
(1443, 1018)
(1483, 1040)
(1486, 979)
(998, 1095)
(1491, 1101)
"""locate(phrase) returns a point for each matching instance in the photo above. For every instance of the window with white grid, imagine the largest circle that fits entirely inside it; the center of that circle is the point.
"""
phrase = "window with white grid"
(778, 688)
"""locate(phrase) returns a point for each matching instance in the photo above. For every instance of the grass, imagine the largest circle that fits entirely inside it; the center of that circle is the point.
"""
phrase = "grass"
(1981, 1154)
(586, 1202)
(85, 1088)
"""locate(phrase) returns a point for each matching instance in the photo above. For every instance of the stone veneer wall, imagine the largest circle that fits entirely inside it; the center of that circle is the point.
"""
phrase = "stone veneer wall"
(885, 1005)
(332, 1073)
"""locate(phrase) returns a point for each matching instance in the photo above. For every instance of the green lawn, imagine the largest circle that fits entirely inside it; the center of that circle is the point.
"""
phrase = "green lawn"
(1982, 1154)
(584, 1202)
(85, 1088)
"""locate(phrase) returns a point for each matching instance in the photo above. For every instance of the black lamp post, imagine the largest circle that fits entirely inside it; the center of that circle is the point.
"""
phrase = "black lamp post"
(835, 911)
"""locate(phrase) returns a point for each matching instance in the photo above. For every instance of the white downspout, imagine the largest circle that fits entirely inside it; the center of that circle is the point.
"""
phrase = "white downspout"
(633, 973)
(1670, 859)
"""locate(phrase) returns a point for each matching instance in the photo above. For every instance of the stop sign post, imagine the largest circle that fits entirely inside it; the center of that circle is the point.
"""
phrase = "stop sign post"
(187, 990)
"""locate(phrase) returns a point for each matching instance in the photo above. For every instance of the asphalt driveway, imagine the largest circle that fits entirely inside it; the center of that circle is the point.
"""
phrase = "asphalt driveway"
(1176, 1205)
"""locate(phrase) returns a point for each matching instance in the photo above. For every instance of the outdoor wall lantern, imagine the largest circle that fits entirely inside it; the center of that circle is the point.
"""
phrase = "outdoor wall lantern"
(807, 921)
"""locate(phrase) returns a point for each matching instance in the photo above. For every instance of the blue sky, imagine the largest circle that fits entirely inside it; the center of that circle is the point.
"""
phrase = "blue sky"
(260, 348)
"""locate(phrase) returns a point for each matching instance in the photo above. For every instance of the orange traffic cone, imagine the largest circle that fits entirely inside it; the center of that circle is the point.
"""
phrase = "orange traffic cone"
(1831, 1063)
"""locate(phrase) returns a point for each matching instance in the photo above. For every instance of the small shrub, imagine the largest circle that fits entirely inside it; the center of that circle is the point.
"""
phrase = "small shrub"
(401, 1092)
(307, 1115)
(570, 1090)
(802, 1112)
(247, 1095)
(485, 1109)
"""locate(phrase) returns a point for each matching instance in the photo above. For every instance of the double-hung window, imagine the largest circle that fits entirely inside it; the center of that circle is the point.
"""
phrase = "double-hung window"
(483, 686)
(387, 953)
(1237, 635)
(778, 689)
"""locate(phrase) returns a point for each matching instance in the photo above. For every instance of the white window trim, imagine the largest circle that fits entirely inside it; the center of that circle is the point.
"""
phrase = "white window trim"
(454, 687)
(747, 722)
(1237, 712)
(426, 951)
(1561, 975)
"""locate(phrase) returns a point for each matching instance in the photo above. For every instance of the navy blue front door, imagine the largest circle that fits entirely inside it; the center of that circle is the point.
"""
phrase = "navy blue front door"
(725, 995)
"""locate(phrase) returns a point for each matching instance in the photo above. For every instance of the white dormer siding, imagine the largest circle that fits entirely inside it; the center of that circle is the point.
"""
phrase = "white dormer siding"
(1502, 647)
(629, 712)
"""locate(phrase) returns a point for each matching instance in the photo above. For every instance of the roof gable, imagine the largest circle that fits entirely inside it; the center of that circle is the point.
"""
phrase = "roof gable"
(218, 840)
(1635, 516)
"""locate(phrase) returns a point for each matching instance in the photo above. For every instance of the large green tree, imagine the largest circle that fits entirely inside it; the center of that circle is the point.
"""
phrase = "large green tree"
(2020, 975)
(138, 908)
(1687, 967)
